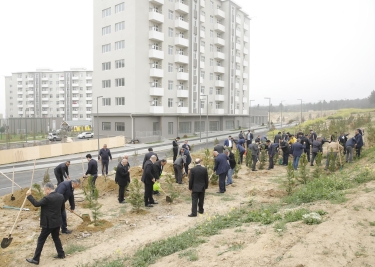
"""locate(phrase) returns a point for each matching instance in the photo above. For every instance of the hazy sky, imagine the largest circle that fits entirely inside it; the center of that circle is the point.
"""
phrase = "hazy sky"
(320, 49)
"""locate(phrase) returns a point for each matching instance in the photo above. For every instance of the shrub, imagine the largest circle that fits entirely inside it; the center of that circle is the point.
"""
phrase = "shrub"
(312, 218)
(173, 192)
(303, 172)
(90, 192)
(38, 189)
(263, 157)
(290, 181)
(46, 177)
(136, 198)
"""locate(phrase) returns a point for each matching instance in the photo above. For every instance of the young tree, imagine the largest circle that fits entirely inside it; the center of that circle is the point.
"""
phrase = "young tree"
(135, 195)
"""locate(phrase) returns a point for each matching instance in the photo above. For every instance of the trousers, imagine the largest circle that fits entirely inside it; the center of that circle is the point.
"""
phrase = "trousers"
(285, 158)
(295, 162)
(121, 192)
(197, 199)
(178, 173)
(349, 154)
(222, 181)
(175, 151)
(42, 239)
(64, 225)
(254, 159)
(148, 194)
(270, 161)
(59, 177)
(105, 167)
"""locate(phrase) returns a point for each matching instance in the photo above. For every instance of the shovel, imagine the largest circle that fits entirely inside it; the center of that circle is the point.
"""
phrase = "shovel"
(84, 217)
(167, 198)
(12, 196)
(7, 240)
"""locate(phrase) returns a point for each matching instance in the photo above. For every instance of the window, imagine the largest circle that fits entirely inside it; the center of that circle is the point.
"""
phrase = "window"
(119, 7)
(106, 48)
(106, 83)
(155, 126)
(119, 126)
(119, 45)
(199, 127)
(170, 67)
(106, 30)
(120, 82)
(120, 63)
(170, 127)
(211, 76)
(170, 14)
(229, 125)
(202, 89)
(211, 61)
(106, 101)
(211, 90)
(170, 85)
(170, 102)
(203, 58)
(170, 32)
(106, 126)
(106, 12)
(120, 26)
(120, 101)
(170, 50)
(214, 125)
(106, 66)
(202, 74)
(185, 127)
(211, 48)
(211, 19)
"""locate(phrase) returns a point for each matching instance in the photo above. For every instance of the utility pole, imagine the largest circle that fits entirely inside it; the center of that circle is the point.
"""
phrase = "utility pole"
(269, 111)
(281, 118)
(250, 113)
(301, 110)
(97, 119)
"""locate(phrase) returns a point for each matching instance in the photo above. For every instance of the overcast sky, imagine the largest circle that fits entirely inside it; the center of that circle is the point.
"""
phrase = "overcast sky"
(318, 49)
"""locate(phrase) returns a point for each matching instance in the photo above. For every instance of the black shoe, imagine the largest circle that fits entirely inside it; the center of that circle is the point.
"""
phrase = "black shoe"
(219, 192)
(180, 183)
(192, 215)
(200, 212)
(149, 206)
(66, 232)
(59, 257)
(32, 261)
(155, 203)
(254, 170)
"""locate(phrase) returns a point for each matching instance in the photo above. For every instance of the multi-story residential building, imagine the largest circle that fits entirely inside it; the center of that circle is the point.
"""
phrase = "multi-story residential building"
(160, 64)
(46, 93)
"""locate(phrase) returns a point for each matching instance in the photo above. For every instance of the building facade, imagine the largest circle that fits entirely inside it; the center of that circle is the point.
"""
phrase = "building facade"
(46, 93)
(167, 63)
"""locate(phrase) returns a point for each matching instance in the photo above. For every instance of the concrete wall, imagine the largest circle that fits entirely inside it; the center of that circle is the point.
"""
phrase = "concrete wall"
(58, 149)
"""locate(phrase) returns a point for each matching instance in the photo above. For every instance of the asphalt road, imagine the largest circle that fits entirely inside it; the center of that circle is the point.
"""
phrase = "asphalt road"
(23, 177)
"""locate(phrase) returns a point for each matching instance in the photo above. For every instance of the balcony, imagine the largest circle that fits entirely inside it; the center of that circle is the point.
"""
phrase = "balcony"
(45, 105)
(219, 41)
(44, 85)
(75, 98)
(76, 105)
(236, 98)
(219, 13)
(219, 69)
(75, 112)
(219, 27)
(156, 109)
(154, 72)
(203, 19)
(245, 51)
(30, 85)
(44, 79)
(219, 83)
(156, 35)
(88, 91)
(19, 106)
(88, 84)
(246, 27)
(238, 33)
(181, 25)
(30, 92)
(246, 39)
(202, 64)
(181, 59)
(158, 54)
(202, 50)
(238, 72)
(203, 34)
(88, 78)
(238, 46)
(219, 98)
(61, 78)
(62, 92)
(61, 105)
(180, 7)
(75, 84)
(219, 55)
(75, 91)
(19, 79)
(183, 93)
(156, 91)
(203, 3)
(31, 112)
(245, 63)
(62, 112)
(244, 87)
(179, 41)
(244, 100)
(89, 105)
(61, 85)
(45, 112)
(19, 93)
(219, 111)
(238, 60)
(75, 78)
(30, 79)
(238, 20)
(88, 111)
(244, 112)
(30, 99)
(201, 80)
(237, 85)
(183, 110)
(62, 98)
(88, 98)
(245, 75)
(236, 111)
(30, 105)
(182, 76)
(157, 2)
(155, 17)
(45, 99)
(19, 98)
(20, 112)
(19, 85)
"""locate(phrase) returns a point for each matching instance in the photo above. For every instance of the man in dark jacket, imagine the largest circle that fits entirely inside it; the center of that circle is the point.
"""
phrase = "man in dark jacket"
(359, 142)
(148, 156)
(92, 168)
(122, 178)
(254, 150)
(317, 146)
(277, 139)
(228, 142)
(240, 135)
(342, 140)
(52, 206)
(104, 156)
(61, 171)
(271, 149)
(286, 151)
(186, 152)
(186, 146)
(305, 140)
(221, 168)
(313, 135)
(219, 148)
(240, 149)
(148, 178)
(198, 183)
(297, 150)
(232, 164)
(350, 144)
(158, 170)
(175, 148)
(178, 164)
(67, 190)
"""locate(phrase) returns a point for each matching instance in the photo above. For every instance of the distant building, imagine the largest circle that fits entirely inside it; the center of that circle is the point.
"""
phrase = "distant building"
(46, 93)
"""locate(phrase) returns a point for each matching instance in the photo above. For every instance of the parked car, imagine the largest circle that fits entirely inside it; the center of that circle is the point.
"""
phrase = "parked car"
(86, 135)
(54, 137)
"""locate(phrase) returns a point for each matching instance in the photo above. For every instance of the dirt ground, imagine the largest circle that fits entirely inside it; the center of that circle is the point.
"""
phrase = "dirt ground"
(345, 238)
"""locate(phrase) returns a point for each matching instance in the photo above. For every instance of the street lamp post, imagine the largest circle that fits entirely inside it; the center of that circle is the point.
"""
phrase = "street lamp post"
(269, 111)
(321, 108)
(97, 118)
(26, 109)
(301, 110)
(281, 117)
(251, 100)
(206, 120)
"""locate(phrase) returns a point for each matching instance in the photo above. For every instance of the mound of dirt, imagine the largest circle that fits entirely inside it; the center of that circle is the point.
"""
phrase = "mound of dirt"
(91, 228)
(104, 185)
(20, 197)
(135, 172)
(168, 168)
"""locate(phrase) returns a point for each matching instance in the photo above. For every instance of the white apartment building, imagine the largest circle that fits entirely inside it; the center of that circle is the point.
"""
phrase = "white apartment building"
(46, 93)
(160, 64)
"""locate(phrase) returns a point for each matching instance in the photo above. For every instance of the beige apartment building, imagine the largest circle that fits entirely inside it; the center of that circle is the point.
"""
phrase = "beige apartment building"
(161, 65)
(46, 93)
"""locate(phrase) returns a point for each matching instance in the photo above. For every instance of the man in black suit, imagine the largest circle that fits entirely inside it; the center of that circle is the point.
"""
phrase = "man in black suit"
(175, 148)
(67, 190)
(198, 183)
(52, 206)
(148, 178)
(92, 168)
(61, 171)
(186, 146)
(148, 156)
(221, 168)
(158, 169)
(122, 178)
